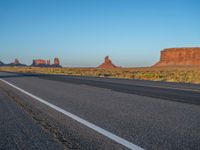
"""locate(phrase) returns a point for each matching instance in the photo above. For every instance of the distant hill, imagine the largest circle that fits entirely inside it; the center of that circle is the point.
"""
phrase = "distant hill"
(56, 66)
(1, 63)
(16, 63)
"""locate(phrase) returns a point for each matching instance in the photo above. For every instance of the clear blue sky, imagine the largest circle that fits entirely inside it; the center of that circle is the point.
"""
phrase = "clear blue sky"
(82, 32)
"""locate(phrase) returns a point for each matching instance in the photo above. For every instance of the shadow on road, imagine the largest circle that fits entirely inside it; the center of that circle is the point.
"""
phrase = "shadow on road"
(189, 96)
(17, 75)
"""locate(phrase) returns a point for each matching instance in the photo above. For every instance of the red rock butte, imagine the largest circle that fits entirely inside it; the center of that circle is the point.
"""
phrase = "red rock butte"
(189, 56)
(16, 61)
(46, 63)
(56, 61)
(39, 62)
(107, 63)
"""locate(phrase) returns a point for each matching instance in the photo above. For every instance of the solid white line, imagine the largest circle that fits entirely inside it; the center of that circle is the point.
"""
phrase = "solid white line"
(80, 120)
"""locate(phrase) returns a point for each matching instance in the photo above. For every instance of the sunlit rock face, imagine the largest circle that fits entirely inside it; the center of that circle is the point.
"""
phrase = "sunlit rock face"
(46, 63)
(189, 56)
(39, 62)
(56, 63)
(107, 63)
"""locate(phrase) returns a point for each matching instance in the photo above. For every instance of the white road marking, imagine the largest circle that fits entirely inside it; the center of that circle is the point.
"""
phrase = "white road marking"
(80, 120)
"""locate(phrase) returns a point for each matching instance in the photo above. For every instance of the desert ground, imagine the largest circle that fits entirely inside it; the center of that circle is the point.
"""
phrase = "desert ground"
(185, 74)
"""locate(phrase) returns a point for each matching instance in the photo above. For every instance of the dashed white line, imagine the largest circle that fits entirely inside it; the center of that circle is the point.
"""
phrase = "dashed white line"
(100, 130)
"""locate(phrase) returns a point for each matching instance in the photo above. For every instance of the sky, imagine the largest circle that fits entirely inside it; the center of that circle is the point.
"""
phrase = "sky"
(82, 32)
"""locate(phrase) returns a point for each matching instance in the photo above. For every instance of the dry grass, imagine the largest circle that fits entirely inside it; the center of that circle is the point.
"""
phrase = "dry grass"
(169, 74)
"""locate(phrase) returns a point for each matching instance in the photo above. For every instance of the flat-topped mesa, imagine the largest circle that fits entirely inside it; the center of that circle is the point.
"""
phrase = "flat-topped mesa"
(45, 63)
(189, 56)
(39, 63)
(107, 63)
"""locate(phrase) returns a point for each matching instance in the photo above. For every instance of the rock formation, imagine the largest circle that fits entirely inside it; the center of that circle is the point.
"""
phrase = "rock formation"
(39, 63)
(189, 56)
(16, 63)
(56, 63)
(1, 63)
(107, 63)
(48, 62)
(36, 63)
(45, 63)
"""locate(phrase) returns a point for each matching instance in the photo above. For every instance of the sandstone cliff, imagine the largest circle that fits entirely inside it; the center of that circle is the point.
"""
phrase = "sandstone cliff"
(46, 63)
(39, 63)
(189, 56)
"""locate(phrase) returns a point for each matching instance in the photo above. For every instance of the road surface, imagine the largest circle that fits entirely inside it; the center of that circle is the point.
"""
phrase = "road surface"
(146, 114)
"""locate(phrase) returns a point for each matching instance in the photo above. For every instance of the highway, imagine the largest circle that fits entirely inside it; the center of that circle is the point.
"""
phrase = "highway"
(67, 112)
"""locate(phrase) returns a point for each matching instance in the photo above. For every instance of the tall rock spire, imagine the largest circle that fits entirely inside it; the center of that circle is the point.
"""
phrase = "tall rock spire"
(107, 63)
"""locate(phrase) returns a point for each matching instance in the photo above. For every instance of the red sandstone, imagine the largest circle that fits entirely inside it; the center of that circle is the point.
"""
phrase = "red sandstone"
(179, 56)
(39, 62)
(56, 61)
(107, 63)
(46, 63)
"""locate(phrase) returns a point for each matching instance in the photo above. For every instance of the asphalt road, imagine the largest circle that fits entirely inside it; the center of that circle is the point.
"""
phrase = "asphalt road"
(152, 115)
(19, 131)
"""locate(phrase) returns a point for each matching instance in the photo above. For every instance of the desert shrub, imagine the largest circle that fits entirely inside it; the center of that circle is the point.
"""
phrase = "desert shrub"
(181, 74)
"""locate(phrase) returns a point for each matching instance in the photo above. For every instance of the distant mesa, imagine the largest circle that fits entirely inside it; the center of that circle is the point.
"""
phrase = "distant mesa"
(186, 56)
(36, 63)
(107, 63)
(16, 63)
(189, 56)
(46, 63)
(39, 63)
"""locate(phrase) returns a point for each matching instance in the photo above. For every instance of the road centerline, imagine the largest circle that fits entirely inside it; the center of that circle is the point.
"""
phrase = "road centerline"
(92, 126)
